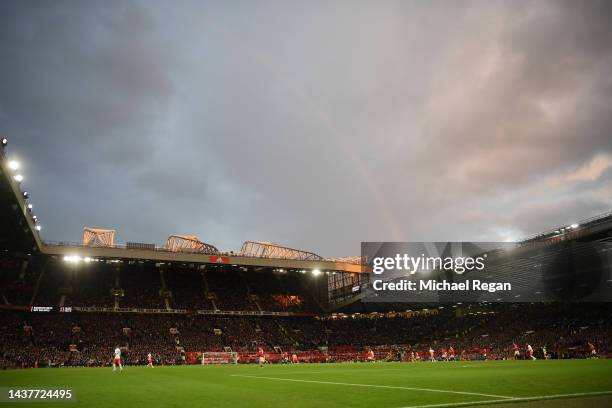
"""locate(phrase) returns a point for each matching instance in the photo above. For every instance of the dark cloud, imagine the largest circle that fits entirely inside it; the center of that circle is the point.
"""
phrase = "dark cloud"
(316, 125)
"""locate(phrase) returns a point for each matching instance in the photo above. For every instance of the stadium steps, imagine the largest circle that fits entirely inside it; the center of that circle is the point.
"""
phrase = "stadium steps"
(207, 290)
(248, 291)
(162, 280)
(314, 300)
(286, 333)
(43, 269)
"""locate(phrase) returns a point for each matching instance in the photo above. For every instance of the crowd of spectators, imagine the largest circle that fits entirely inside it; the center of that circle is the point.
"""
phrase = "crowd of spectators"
(55, 339)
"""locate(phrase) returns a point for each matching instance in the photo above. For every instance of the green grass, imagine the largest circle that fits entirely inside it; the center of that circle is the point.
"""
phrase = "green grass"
(507, 383)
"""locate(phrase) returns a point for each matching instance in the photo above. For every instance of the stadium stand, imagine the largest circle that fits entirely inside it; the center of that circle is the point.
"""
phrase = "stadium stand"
(47, 338)
(71, 305)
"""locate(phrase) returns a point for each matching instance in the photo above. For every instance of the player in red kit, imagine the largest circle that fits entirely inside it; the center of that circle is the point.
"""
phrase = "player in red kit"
(451, 352)
(592, 350)
(517, 351)
(370, 356)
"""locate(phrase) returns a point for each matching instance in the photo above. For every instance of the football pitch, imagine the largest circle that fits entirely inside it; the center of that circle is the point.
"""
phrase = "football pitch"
(554, 383)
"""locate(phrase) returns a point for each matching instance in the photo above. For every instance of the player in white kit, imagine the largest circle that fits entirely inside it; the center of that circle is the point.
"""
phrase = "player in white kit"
(530, 352)
(117, 359)
(150, 360)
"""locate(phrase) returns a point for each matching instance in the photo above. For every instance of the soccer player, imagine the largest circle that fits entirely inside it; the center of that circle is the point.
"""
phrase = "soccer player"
(285, 357)
(412, 357)
(529, 352)
(431, 354)
(517, 351)
(117, 359)
(451, 351)
(294, 358)
(150, 360)
(370, 356)
(444, 355)
(261, 356)
(592, 350)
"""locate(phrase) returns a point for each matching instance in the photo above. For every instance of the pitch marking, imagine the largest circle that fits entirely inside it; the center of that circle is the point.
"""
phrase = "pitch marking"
(505, 398)
(515, 399)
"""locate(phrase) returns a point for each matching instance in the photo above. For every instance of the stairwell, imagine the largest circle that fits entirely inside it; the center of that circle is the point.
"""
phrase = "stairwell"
(43, 269)
(286, 333)
(207, 290)
(254, 300)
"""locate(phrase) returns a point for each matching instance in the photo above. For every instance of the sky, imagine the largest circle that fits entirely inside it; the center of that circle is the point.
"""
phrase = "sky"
(315, 125)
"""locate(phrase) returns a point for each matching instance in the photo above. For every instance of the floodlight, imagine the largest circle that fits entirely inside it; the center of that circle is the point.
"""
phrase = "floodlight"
(18, 178)
(316, 272)
(25, 195)
(13, 165)
(30, 206)
(72, 259)
(38, 228)
(574, 225)
(4, 141)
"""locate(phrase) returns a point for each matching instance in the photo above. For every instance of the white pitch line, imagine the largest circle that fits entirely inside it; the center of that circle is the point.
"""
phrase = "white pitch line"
(332, 371)
(515, 399)
(462, 404)
(506, 398)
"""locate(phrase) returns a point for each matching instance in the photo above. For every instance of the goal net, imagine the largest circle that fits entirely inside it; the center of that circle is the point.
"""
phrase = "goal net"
(221, 357)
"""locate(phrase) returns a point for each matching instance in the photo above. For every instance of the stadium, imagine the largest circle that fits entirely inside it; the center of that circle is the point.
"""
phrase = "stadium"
(320, 204)
(196, 313)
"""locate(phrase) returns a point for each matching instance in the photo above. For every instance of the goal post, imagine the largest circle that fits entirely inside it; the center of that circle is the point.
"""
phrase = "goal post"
(219, 357)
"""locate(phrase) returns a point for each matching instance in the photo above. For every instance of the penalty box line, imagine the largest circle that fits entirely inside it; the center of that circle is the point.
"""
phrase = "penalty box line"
(513, 400)
(393, 387)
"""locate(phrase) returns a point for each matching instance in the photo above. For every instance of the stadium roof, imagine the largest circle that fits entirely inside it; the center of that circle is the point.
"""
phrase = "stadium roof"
(19, 232)
(17, 225)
